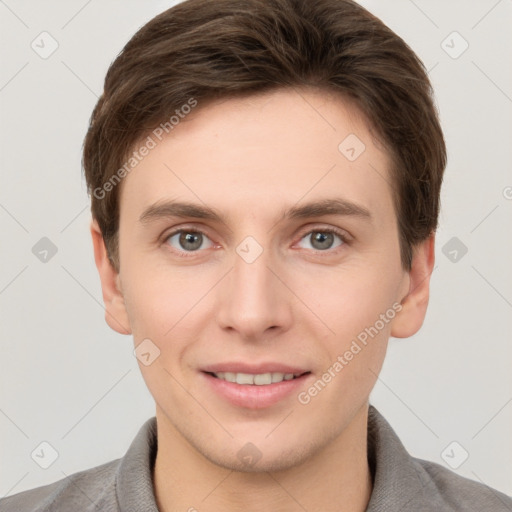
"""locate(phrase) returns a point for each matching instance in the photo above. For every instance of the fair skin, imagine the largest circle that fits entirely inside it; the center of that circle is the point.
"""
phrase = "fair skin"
(300, 303)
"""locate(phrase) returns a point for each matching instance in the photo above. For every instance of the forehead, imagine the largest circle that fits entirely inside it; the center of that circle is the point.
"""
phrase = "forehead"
(273, 150)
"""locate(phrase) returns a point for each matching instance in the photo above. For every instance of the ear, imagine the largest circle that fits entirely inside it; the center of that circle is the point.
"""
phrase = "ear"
(115, 309)
(414, 304)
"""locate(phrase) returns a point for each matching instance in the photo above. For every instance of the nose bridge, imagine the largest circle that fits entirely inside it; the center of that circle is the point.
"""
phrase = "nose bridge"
(252, 300)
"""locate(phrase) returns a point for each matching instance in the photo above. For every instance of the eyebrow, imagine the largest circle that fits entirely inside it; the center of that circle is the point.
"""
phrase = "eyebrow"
(331, 206)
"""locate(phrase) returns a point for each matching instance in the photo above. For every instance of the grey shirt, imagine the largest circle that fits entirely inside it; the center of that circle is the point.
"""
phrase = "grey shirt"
(401, 482)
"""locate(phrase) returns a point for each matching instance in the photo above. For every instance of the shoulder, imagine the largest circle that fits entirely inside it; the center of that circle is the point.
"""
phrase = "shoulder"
(404, 482)
(110, 487)
(460, 493)
(91, 489)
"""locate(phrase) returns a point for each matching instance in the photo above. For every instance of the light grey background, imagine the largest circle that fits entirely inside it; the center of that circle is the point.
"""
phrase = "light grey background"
(69, 380)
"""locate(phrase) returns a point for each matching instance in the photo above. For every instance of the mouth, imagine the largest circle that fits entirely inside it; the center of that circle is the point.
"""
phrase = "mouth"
(258, 379)
(255, 389)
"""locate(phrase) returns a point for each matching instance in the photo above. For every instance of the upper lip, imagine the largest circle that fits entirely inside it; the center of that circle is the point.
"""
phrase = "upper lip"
(251, 368)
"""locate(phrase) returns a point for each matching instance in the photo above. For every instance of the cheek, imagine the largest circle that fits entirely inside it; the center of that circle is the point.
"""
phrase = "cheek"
(351, 299)
(161, 301)
(355, 352)
(358, 305)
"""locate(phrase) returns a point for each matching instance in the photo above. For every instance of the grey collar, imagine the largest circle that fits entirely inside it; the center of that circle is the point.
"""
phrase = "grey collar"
(399, 482)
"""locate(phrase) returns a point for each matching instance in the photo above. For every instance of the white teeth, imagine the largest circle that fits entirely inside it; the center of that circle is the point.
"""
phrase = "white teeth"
(260, 379)
(278, 377)
(263, 378)
(230, 376)
(244, 378)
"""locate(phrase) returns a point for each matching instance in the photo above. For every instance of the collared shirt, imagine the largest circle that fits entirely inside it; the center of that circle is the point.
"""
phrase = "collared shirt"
(400, 482)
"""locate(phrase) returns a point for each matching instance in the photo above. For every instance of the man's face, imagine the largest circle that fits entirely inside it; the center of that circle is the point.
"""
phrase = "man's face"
(258, 292)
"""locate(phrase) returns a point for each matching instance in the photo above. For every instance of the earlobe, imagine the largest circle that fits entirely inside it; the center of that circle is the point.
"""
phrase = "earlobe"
(115, 310)
(415, 302)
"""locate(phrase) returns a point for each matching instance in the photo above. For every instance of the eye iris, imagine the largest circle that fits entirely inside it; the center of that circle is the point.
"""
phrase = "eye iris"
(191, 238)
(325, 239)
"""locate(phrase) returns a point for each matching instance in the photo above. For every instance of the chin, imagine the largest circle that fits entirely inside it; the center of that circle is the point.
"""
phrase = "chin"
(250, 458)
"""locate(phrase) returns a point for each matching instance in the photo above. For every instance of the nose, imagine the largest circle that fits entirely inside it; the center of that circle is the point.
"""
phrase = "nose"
(252, 300)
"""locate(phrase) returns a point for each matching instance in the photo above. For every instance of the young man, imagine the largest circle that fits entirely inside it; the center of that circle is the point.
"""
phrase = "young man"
(265, 180)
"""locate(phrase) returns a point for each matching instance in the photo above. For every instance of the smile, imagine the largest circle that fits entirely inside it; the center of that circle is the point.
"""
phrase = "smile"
(255, 390)
(259, 379)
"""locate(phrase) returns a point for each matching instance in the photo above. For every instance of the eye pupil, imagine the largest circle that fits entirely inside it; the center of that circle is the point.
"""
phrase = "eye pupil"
(195, 239)
(325, 239)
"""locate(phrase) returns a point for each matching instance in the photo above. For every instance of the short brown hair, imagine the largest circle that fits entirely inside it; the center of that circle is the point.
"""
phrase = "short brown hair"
(216, 49)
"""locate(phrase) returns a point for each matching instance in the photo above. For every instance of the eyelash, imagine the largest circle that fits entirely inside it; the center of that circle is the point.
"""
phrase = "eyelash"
(187, 254)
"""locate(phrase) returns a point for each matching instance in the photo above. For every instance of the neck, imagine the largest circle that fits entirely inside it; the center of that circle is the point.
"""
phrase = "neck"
(335, 479)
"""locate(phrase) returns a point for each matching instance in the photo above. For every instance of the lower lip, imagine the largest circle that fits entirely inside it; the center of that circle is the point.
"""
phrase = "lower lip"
(252, 396)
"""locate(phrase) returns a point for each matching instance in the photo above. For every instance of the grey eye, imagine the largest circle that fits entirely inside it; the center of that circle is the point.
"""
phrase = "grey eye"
(322, 240)
(188, 240)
